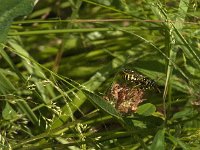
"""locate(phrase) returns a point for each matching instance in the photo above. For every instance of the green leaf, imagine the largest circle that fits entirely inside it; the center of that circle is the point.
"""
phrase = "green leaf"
(187, 112)
(146, 110)
(11, 9)
(159, 140)
(102, 104)
(8, 112)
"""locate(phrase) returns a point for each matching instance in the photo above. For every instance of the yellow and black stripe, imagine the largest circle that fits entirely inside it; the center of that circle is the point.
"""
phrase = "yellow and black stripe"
(137, 79)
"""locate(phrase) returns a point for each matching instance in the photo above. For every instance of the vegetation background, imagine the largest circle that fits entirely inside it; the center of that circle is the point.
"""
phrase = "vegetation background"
(60, 57)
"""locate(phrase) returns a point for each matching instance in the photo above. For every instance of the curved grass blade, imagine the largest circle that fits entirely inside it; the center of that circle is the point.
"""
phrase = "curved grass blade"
(102, 104)
(177, 141)
(159, 140)
(9, 10)
(6, 87)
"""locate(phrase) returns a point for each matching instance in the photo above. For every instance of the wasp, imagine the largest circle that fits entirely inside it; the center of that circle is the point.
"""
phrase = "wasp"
(129, 90)
(138, 79)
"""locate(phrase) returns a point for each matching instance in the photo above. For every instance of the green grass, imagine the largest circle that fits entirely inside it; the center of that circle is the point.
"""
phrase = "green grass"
(59, 62)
